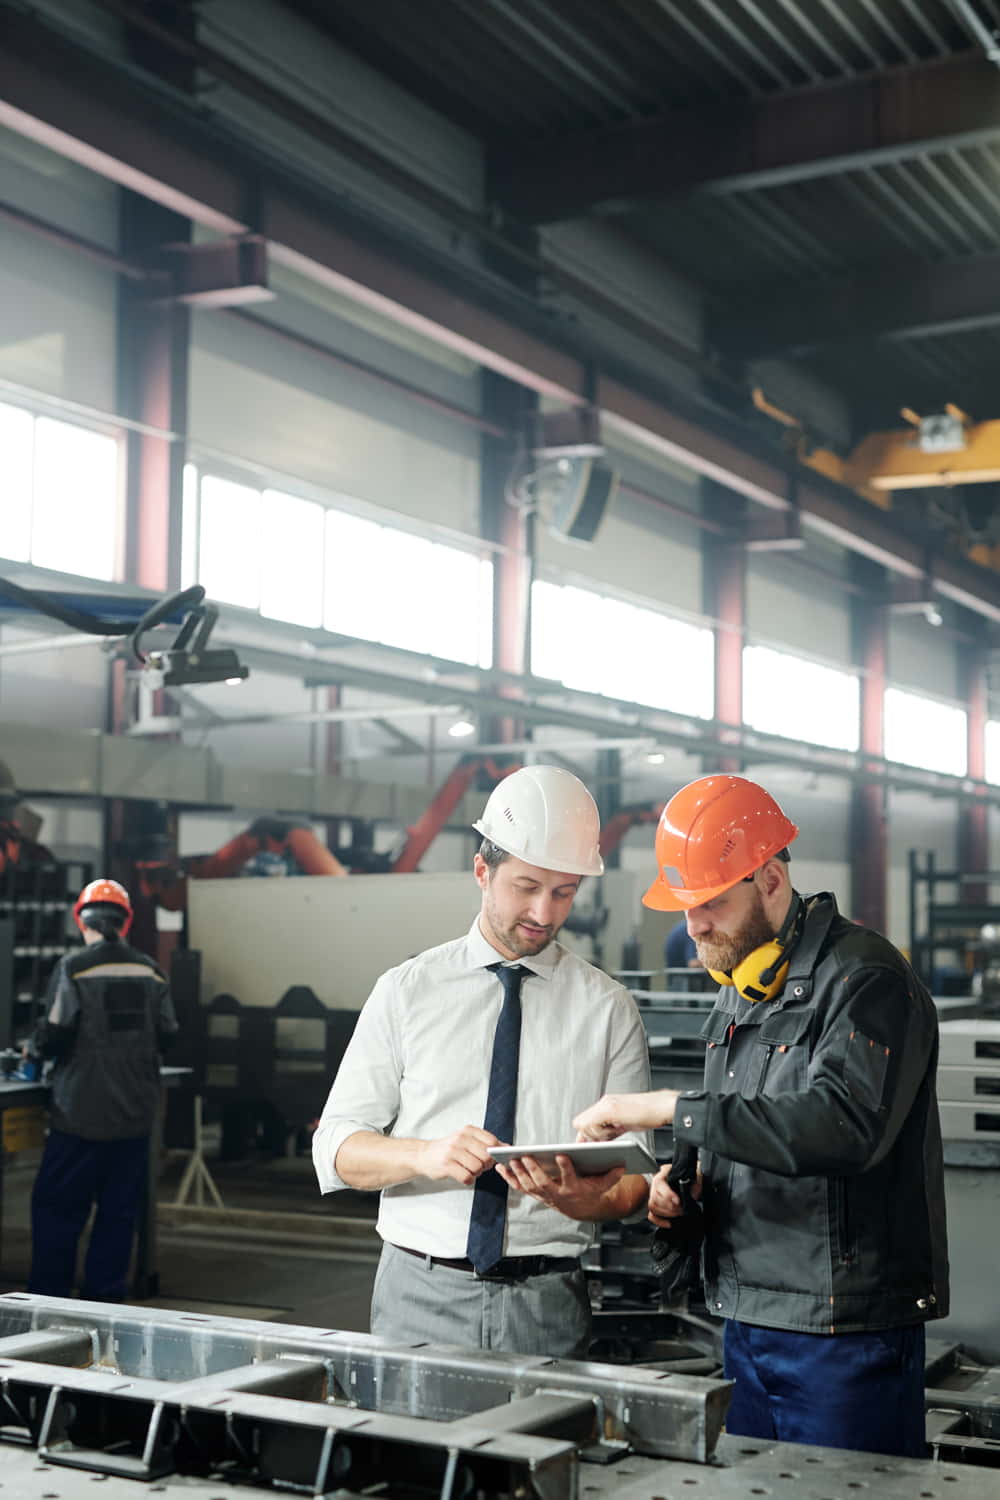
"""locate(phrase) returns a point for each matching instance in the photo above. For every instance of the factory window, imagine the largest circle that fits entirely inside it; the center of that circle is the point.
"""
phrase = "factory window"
(17, 440)
(291, 580)
(229, 541)
(925, 732)
(801, 699)
(596, 644)
(993, 751)
(61, 489)
(297, 561)
(376, 575)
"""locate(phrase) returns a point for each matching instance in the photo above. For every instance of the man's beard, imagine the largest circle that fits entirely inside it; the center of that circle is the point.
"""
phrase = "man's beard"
(724, 951)
(513, 939)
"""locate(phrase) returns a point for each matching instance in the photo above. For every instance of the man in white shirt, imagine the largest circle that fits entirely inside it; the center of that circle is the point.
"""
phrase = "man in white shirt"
(498, 1037)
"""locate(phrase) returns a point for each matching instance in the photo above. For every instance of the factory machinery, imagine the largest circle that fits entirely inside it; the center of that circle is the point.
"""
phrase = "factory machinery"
(153, 1402)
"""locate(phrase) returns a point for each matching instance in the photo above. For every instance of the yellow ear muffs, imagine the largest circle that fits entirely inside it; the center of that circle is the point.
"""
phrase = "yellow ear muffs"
(761, 975)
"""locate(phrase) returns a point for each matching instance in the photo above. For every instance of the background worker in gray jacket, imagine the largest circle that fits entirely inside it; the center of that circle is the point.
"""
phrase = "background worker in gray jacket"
(818, 1131)
(108, 1016)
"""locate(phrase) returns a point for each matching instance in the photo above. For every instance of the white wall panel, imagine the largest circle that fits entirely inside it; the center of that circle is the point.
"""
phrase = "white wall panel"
(65, 688)
(72, 830)
(335, 85)
(257, 399)
(797, 608)
(621, 270)
(57, 309)
(922, 658)
(640, 551)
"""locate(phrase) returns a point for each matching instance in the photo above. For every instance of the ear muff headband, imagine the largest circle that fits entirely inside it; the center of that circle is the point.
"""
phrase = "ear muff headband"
(762, 974)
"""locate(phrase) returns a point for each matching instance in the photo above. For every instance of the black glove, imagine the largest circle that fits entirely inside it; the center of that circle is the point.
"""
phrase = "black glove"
(676, 1251)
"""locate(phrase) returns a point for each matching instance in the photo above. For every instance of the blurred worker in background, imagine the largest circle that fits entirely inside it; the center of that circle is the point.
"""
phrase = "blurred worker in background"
(19, 826)
(823, 1189)
(680, 952)
(497, 1037)
(108, 1017)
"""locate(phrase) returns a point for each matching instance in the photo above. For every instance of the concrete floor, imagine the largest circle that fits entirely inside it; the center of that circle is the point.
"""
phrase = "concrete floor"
(294, 1270)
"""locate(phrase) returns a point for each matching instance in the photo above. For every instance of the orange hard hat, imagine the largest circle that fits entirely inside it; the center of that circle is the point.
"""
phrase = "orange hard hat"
(104, 893)
(712, 834)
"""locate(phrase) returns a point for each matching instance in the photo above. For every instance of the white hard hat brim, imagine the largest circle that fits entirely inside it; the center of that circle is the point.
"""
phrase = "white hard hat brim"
(562, 867)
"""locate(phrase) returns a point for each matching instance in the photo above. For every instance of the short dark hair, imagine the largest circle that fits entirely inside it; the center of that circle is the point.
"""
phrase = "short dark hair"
(782, 854)
(492, 855)
(105, 918)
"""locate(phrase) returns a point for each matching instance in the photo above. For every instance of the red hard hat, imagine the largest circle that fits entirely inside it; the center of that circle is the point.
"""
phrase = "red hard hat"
(712, 834)
(104, 893)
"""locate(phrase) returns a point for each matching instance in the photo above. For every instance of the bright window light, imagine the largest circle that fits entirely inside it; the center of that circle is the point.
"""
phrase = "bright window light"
(801, 699)
(16, 444)
(596, 644)
(993, 751)
(453, 609)
(189, 527)
(354, 586)
(291, 582)
(484, 656)
(923, 732)
(375, 575)
(229, 542)
(74, 518)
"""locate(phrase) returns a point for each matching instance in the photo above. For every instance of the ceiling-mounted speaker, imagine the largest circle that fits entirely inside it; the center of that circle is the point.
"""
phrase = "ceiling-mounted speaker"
(578, 498)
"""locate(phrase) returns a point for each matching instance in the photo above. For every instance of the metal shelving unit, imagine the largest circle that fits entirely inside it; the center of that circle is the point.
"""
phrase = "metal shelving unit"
(34, 902)
(947, 913)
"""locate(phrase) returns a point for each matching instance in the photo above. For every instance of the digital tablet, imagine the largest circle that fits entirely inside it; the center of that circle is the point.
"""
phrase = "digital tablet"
(588, 1157)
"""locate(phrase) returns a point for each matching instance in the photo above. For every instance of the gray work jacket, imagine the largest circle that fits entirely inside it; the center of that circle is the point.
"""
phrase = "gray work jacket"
(108, 1016)
(820, 1141)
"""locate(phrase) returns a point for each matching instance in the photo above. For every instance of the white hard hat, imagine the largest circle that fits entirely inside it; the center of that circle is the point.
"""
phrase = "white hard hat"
(545, 816)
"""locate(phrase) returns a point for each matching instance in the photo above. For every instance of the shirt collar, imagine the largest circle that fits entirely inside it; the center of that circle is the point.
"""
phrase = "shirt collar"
(482, 953)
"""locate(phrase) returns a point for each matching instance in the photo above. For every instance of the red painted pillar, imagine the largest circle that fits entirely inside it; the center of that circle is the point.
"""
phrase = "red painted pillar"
(973, 815)
(153, 348)
(869, 810)
(724, 595)
(507, 405)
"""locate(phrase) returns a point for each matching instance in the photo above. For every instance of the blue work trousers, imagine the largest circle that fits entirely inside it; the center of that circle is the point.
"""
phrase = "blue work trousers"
(75, 1174)
(844, 1390)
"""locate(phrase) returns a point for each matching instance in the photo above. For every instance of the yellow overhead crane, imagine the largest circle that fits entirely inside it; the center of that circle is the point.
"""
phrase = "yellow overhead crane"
(942, 450)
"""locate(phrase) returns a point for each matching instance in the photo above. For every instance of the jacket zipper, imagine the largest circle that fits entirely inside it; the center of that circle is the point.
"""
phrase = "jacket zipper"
(765, 1064)
(843, 1222)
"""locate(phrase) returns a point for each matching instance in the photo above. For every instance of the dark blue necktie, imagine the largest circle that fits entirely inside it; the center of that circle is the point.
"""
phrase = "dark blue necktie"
(489, 1199)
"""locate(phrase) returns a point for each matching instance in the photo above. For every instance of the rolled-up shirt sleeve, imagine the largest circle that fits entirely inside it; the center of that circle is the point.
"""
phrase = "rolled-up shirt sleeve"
(628, 1057)
(628, 1072)
(365, 1092)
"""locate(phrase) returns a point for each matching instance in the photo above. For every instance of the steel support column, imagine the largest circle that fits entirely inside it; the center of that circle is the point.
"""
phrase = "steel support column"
(508, 405)
(724, 601)
(153, 346)
(869, 795)
(973, 847)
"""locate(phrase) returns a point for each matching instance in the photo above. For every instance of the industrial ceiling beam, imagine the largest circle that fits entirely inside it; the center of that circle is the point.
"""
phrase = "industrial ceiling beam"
(93, 112)
(902, 301)
(756, 143)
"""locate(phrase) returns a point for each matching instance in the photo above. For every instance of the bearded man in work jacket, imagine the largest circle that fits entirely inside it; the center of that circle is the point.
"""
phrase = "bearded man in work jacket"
(821, 1160)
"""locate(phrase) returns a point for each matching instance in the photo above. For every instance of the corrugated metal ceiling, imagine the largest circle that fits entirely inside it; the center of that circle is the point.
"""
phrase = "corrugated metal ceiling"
(539, 67)
(521, 70)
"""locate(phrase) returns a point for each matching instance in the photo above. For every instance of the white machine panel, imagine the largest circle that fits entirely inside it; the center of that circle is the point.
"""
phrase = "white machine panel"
(259, 937)
(969, 1043)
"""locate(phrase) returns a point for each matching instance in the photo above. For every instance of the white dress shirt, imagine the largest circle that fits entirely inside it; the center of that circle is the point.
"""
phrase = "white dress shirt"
(418, 1066)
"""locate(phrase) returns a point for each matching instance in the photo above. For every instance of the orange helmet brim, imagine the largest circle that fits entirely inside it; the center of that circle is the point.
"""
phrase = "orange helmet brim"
(664, 897)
